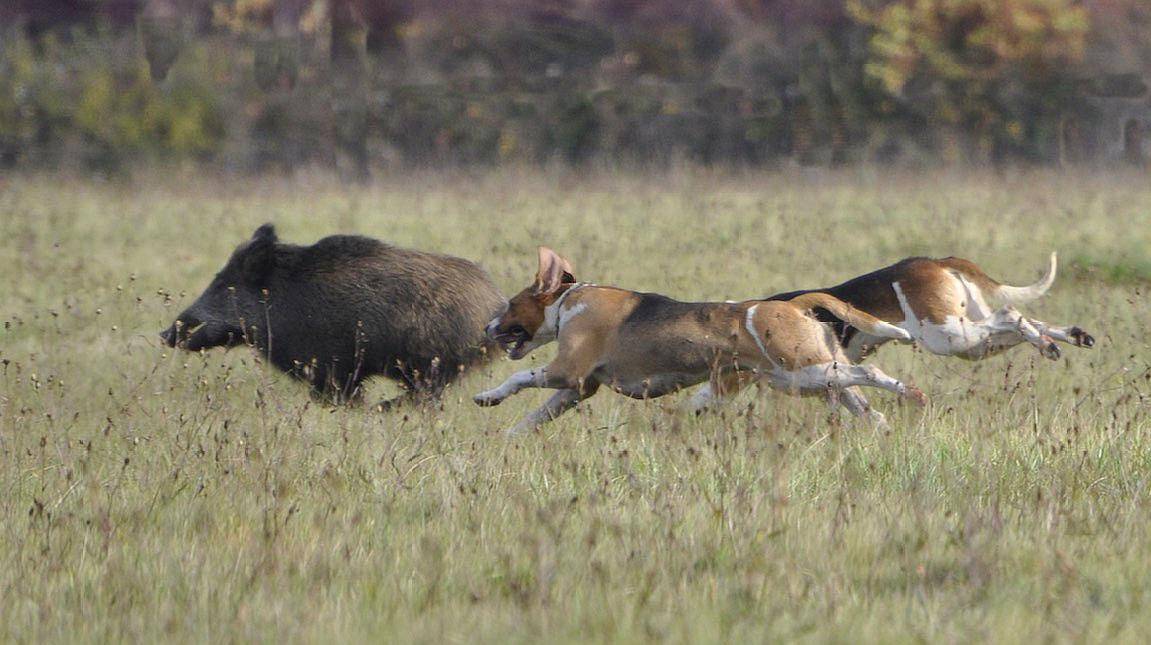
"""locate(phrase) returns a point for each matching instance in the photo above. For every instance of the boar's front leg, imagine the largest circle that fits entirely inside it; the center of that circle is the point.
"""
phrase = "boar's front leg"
(330, 385)
(332, 394)
(419, 390)
(416, 397)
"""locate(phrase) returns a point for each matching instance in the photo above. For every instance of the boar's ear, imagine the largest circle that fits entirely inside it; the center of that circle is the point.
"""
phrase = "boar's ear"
(553, 273)
(267, 233)
(261, 252)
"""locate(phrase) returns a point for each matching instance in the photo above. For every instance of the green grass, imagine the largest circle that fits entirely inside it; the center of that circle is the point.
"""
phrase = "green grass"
(152, 495)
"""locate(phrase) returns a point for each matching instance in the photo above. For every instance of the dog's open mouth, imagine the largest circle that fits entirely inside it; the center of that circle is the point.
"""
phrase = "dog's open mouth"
(513, 340)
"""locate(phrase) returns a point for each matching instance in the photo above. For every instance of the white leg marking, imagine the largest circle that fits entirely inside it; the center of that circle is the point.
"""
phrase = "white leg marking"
(1071, 335)
(889, 330)
(1008, 321)
(869, 375)
(840, 376)
(844, 376)
(1062, 334)
(515, 383)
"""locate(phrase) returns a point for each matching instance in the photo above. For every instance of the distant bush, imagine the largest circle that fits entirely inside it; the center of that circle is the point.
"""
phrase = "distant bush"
(259, 85)
(87, 97)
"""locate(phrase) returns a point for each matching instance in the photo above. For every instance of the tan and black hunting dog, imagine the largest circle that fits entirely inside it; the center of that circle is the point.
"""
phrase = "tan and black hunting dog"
(646, 345)
(943, 305)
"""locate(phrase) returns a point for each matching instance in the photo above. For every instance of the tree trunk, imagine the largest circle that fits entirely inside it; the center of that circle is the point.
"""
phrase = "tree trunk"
(348, 98)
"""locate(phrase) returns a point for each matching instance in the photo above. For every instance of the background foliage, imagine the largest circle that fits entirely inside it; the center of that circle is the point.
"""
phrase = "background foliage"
(357, 84)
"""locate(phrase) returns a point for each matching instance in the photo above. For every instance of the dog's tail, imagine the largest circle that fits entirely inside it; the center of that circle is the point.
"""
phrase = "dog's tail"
(1018, 295)
(1004, 292)
(852, 316)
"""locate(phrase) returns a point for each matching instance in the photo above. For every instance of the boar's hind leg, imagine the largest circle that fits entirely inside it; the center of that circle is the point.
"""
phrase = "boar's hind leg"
(333, 386)
(412, 397)
(332, 394)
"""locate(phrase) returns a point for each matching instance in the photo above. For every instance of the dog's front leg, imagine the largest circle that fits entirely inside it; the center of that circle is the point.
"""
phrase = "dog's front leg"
(515, 383)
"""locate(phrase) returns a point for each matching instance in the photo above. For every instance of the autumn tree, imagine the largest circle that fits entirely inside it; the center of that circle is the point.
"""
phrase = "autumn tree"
(993, 72)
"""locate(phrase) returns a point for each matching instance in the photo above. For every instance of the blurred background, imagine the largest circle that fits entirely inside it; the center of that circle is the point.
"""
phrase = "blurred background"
(105, 86)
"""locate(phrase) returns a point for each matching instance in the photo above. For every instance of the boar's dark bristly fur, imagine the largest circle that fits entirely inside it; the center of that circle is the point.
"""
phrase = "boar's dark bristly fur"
(344, 309)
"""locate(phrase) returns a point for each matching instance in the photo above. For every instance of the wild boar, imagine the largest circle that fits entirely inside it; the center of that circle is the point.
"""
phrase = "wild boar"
(346, 308)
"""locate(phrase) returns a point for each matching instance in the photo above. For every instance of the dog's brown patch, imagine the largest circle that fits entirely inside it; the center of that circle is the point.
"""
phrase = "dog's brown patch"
(525, 310)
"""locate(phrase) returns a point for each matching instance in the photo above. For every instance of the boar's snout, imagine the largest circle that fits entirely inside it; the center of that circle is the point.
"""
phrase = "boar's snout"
(178, 331)
(168, 336)
(193, 333)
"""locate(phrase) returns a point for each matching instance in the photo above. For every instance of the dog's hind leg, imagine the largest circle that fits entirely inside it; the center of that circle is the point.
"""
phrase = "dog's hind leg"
(1008, 320)
(1036, 332)
(719, 390)
(1070, 335)
(841, 377)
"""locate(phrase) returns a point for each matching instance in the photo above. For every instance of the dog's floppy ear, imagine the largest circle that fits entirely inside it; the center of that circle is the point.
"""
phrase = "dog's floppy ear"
(554, 272)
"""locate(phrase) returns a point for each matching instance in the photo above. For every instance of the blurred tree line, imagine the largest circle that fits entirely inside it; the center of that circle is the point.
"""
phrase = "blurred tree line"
(352, 84)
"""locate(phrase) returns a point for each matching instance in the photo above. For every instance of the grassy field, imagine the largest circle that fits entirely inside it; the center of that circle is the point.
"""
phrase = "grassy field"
(151, 495)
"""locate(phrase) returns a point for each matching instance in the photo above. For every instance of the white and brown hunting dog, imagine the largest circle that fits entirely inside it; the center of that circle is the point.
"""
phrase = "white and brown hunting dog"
(646, 345)
(943, 305)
